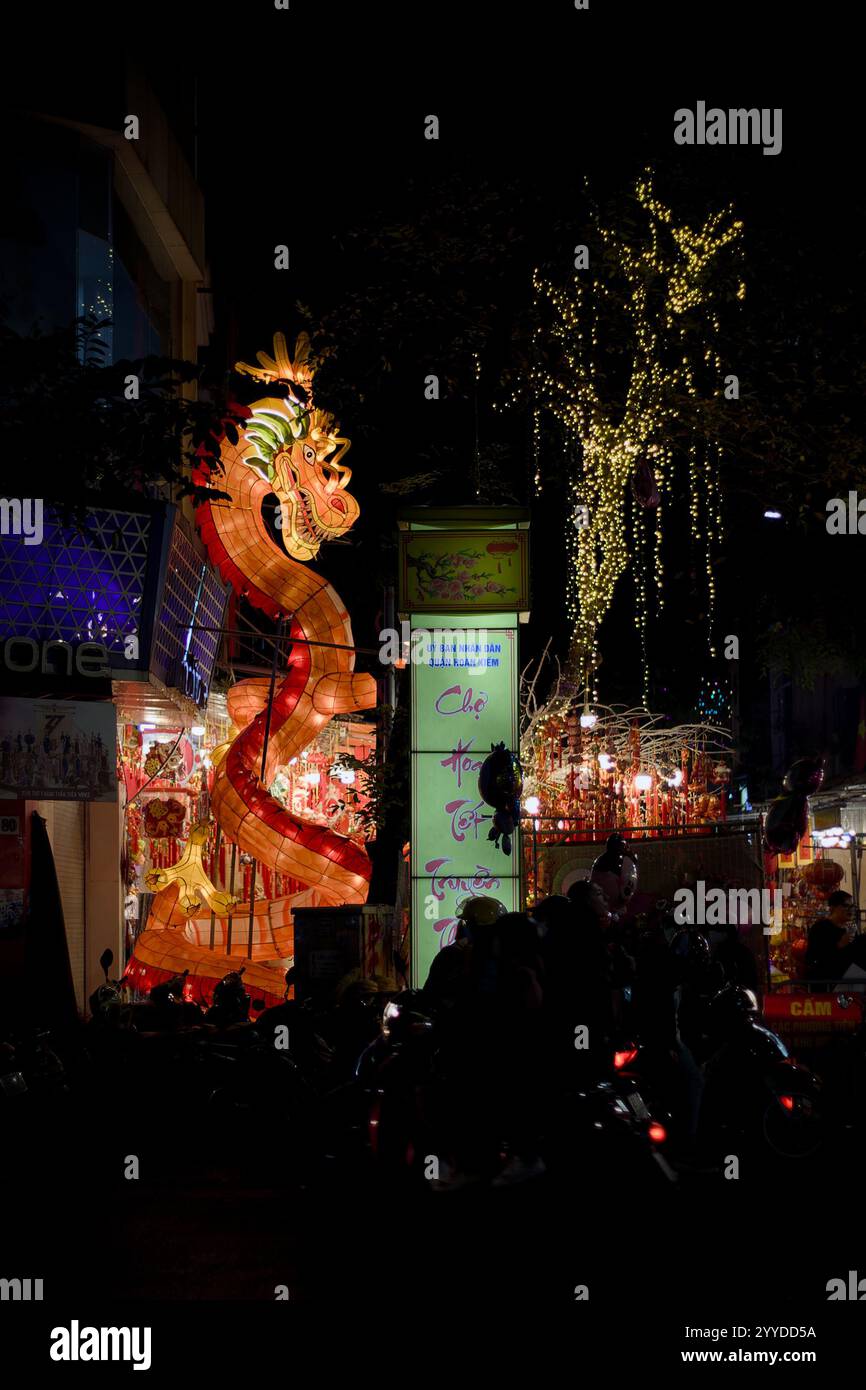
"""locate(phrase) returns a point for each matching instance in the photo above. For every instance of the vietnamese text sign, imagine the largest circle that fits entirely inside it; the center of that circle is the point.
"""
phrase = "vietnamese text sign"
(61, 750)
(464, 698)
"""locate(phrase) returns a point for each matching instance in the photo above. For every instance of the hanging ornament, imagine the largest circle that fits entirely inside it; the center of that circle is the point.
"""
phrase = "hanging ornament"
(804, 776)
(788, 818)
(786, 824)
(500, 783)
(824, 875)
(163, 818)
(645, 487)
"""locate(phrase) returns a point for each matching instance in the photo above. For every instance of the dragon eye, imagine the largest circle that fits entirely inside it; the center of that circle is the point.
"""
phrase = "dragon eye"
(309, 453)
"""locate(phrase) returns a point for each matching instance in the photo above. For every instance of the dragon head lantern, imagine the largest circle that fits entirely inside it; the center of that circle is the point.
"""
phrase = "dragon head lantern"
(296, 448)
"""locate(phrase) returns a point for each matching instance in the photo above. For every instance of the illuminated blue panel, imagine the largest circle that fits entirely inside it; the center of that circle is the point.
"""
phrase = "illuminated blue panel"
(128, 574)
(79, 586)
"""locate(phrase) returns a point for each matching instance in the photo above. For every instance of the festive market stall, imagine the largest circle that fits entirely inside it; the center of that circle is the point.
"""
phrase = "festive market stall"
(168, 775)
(812, 1017)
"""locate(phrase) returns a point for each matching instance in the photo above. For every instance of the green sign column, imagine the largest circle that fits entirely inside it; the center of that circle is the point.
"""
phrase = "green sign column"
(464, 590)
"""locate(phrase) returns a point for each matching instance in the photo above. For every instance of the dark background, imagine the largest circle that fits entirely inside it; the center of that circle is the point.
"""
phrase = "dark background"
(306, 128)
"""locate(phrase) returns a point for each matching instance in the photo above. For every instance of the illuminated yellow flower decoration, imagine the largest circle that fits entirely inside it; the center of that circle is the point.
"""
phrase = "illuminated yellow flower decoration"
(196, 888)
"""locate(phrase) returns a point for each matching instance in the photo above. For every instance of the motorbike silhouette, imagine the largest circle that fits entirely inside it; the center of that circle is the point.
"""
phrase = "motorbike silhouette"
(753, 1089)
(603, 1124)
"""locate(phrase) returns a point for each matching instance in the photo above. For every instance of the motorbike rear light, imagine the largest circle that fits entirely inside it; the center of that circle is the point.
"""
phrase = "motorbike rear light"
(787, 1102)
(657, 1133)
(624, 1058)
(373, 1127)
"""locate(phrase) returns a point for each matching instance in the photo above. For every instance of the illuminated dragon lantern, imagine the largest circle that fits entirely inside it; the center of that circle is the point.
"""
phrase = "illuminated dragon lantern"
(290, 449)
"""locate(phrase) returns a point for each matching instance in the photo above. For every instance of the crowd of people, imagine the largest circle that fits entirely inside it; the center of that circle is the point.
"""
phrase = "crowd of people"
(528, 1008)
(529, 1005)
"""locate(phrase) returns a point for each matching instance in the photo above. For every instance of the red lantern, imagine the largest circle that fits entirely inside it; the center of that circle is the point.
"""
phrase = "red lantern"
(824, 875)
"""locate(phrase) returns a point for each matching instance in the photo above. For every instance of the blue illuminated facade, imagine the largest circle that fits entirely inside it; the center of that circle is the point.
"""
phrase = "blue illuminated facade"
(135, 581)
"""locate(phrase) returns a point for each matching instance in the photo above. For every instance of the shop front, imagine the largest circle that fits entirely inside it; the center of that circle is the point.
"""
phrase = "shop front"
(97, 632)
(168, 776)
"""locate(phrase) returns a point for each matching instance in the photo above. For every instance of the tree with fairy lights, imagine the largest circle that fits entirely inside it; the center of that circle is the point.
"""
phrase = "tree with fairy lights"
(627, 369)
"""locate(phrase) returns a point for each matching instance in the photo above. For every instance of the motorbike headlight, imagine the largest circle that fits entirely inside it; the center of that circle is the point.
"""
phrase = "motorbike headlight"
(389, 1017)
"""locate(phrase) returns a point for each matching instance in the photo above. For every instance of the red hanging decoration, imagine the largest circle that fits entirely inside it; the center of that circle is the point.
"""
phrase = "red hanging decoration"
(163, 819)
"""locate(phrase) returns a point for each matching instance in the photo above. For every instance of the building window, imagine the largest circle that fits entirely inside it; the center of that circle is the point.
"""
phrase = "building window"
(142, 303)
(96, 289)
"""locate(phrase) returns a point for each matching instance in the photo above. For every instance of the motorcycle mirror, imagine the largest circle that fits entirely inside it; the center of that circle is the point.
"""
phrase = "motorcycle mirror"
(106, 960)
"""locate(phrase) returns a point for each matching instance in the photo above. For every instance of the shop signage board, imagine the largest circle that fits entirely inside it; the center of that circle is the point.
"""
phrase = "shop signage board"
(62, 750)
(464, 677)
(464, 571)
(841, 1007)
(812, 1021)
(464, 588)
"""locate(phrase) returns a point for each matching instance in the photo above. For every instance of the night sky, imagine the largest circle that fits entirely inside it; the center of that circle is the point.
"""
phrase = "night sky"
(309, 132)
(541, 134)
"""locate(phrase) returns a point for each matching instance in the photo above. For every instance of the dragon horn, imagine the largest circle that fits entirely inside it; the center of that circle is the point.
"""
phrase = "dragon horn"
(281, 355)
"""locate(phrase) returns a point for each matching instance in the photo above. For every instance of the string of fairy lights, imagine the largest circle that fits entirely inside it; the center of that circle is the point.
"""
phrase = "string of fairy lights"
(673, 358)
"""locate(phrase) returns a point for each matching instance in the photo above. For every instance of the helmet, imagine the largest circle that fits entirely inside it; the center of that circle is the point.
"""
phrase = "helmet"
(229, 987)
(105, 1002)
(407, 1015)
(230, 997)
(170, 991)
(480, 912)
(691, 949)
(731, 1003)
